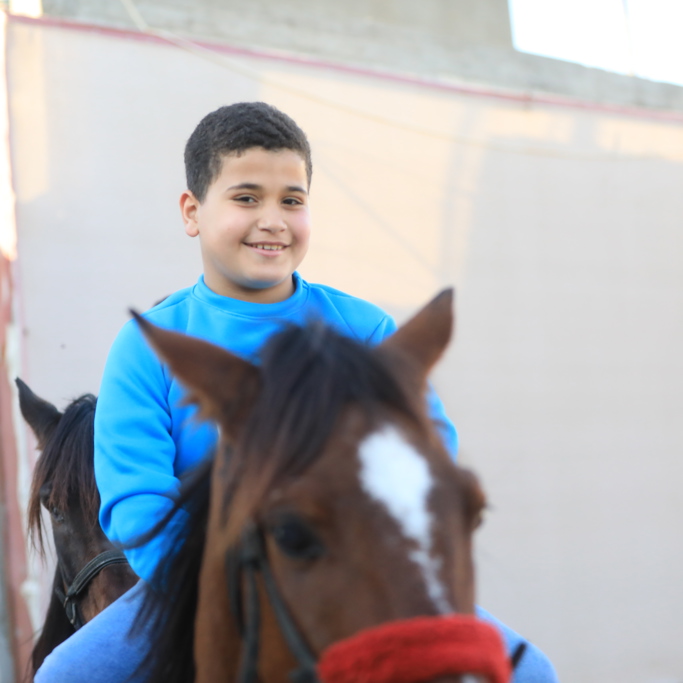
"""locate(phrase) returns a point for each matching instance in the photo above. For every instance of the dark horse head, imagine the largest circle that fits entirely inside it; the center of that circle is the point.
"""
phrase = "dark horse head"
(64, 484)
(331, 538)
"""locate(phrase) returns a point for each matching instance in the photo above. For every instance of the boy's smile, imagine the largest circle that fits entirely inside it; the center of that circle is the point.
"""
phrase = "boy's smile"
(253, 224)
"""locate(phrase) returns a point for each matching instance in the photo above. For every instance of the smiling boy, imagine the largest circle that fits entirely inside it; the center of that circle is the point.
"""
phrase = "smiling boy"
(253, 225)
(248, 172)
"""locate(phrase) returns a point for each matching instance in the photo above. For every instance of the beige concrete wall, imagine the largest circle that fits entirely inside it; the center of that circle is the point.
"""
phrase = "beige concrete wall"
(560, 226)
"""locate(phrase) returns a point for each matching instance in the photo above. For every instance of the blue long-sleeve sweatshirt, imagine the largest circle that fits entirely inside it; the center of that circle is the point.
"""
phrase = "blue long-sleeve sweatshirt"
(145, 438)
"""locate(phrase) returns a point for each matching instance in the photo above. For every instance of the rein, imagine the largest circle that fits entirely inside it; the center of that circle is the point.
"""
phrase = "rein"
(82, 580)
(403, 651)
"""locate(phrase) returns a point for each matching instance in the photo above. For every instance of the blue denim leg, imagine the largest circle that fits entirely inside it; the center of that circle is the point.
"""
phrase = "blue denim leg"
(534, 667)
(101, 651)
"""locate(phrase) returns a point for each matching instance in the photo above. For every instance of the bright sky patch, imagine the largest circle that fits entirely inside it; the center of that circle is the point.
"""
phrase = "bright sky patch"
(637, 37)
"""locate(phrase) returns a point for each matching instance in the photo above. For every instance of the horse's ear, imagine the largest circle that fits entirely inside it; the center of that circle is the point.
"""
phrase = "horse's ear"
(220, 383)
(41, 415)
(425, 336)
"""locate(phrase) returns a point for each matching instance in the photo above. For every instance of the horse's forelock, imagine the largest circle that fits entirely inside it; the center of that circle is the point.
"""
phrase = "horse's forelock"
(66, 466)
(309, 376)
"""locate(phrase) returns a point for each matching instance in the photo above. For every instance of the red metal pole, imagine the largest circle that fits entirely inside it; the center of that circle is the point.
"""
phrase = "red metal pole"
(13, 541)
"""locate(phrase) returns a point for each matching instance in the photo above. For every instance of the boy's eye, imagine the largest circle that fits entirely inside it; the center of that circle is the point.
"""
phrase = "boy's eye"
(292, 201)
(245, 199)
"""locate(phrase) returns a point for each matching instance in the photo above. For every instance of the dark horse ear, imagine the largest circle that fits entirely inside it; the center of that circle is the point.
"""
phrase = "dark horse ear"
(41, 415)
(424, 338)
(221, 384)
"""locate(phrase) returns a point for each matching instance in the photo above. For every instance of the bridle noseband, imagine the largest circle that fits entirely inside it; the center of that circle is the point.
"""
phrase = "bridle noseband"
(69, 599)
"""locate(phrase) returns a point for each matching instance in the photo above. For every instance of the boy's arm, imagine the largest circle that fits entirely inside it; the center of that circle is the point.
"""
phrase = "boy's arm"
(435, 407)
(134, 450)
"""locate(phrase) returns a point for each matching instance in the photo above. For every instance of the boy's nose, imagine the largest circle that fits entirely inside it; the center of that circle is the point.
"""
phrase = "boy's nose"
(271, 223)
(271, 220)
(272, 227)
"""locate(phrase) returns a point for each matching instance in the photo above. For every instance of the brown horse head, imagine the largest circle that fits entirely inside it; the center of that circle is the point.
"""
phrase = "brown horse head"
(329, 454)
(64, 485)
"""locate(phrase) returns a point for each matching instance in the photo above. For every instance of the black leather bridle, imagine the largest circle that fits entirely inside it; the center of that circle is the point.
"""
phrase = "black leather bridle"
(69, 598)
(243, 564)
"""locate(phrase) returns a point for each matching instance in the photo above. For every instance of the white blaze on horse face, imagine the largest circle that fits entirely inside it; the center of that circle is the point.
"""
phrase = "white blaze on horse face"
(396, 475)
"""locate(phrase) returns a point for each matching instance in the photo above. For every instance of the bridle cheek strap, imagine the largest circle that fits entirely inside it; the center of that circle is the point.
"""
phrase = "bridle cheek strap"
(82, 580)
(417, 650)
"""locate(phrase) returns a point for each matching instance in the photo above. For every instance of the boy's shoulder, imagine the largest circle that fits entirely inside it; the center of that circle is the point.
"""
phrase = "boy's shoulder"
(169, 312)
(166, 305)
(364, 320)
(345, 300)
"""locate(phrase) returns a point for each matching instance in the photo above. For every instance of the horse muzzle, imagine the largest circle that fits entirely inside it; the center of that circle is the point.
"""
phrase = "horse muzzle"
(419, 650)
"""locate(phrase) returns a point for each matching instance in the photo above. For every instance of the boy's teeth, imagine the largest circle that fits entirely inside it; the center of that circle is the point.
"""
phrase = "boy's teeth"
(270, 247)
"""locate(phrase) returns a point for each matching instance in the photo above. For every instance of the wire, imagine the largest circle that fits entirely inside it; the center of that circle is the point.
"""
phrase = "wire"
(135, 15)
(225, 62)
(399, 240)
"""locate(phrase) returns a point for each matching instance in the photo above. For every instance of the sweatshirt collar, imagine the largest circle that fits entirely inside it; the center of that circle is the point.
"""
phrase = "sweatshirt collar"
(250, 309)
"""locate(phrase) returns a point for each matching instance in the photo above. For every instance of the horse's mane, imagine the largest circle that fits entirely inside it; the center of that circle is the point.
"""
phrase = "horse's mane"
(308, 376)
(66, 464)
(170, 602)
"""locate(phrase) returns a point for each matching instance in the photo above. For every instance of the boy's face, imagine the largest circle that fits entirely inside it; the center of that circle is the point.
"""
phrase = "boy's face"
(253, 224)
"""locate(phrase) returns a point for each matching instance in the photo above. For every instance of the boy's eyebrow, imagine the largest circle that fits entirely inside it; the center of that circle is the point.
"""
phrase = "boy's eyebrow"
(256, 186)
(245, 186)
(296, 188)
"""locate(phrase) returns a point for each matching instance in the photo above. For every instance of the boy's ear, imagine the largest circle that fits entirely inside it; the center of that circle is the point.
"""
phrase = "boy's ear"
(189, 205)
(41, 415)
(223, 385)
(424, 338)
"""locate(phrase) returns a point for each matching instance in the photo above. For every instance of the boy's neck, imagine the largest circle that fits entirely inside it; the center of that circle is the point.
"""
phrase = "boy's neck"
(268, 295)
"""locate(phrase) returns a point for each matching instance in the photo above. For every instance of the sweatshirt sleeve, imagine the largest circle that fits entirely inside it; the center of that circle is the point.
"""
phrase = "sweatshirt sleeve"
(134, 450)
(446, 428)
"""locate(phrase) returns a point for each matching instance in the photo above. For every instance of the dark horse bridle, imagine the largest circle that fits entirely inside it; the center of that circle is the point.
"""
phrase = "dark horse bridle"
(243, 564)
(70, 597)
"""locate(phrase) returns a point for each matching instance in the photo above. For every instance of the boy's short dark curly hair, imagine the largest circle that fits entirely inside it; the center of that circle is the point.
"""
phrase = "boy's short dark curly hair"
(233, 130)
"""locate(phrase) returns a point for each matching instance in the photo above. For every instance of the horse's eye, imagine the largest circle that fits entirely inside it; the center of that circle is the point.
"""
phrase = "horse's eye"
(56, 514)
(296, 540)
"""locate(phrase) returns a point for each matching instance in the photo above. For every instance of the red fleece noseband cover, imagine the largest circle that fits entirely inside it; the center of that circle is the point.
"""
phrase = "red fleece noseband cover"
(417, 650)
